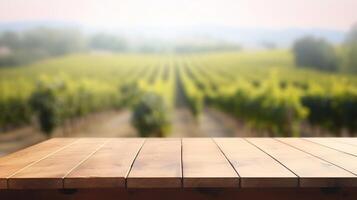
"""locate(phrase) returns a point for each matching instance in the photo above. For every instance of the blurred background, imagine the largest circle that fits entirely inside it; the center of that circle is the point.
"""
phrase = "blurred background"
(170, 68)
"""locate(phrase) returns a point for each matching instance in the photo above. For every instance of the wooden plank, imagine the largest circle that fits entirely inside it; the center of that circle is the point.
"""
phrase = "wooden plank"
(343, 160)
(335, 144)
(14, 162)
(312, 171)
(108, 167)
(349, 140)
(255, 168)
(158, 165)
(49, 172)
(204, 165)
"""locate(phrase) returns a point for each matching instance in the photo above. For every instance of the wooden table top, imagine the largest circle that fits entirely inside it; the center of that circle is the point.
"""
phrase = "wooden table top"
(182, 162)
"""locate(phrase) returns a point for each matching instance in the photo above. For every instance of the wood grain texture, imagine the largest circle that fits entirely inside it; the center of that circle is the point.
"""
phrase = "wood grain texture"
(343, 160)
(255, 168)
(335, 144)
(49, 172)
(14, 162)
(312, 171)
(158, 165)
(204, 165)
(108, 167)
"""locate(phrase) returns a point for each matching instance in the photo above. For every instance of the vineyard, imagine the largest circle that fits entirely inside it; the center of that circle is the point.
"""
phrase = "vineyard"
(262, 89)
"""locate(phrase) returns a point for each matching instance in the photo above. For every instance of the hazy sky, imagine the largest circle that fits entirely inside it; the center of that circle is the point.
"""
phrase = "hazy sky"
(331, 14)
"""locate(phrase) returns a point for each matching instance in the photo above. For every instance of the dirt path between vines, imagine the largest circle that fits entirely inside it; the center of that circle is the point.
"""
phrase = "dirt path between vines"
(215, 123)
(183, 122)
(211, 123)
(106, 124)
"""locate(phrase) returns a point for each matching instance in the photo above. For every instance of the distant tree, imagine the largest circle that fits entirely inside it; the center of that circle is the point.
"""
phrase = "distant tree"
(350, 47)
(38, 43)
(54, 41)
(10, 40)
(315, 53)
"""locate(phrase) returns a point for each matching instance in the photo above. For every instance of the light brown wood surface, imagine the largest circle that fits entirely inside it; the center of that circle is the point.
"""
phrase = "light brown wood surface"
(255, 168)
(343, 160)
(14, 162)
(312, 171)
(158, 165)
(335, 144)
(204, 165)
(94, 163)
(108, 167)
(49, 172)
(351, 141)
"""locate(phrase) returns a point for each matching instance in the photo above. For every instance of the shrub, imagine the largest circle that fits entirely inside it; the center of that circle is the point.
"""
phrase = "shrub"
(150, 117)
(43, 102)
(14, 112)
(334, 112)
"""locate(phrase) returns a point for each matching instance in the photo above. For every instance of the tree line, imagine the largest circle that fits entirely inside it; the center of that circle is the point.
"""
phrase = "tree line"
(19, 48)
(317, 53)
